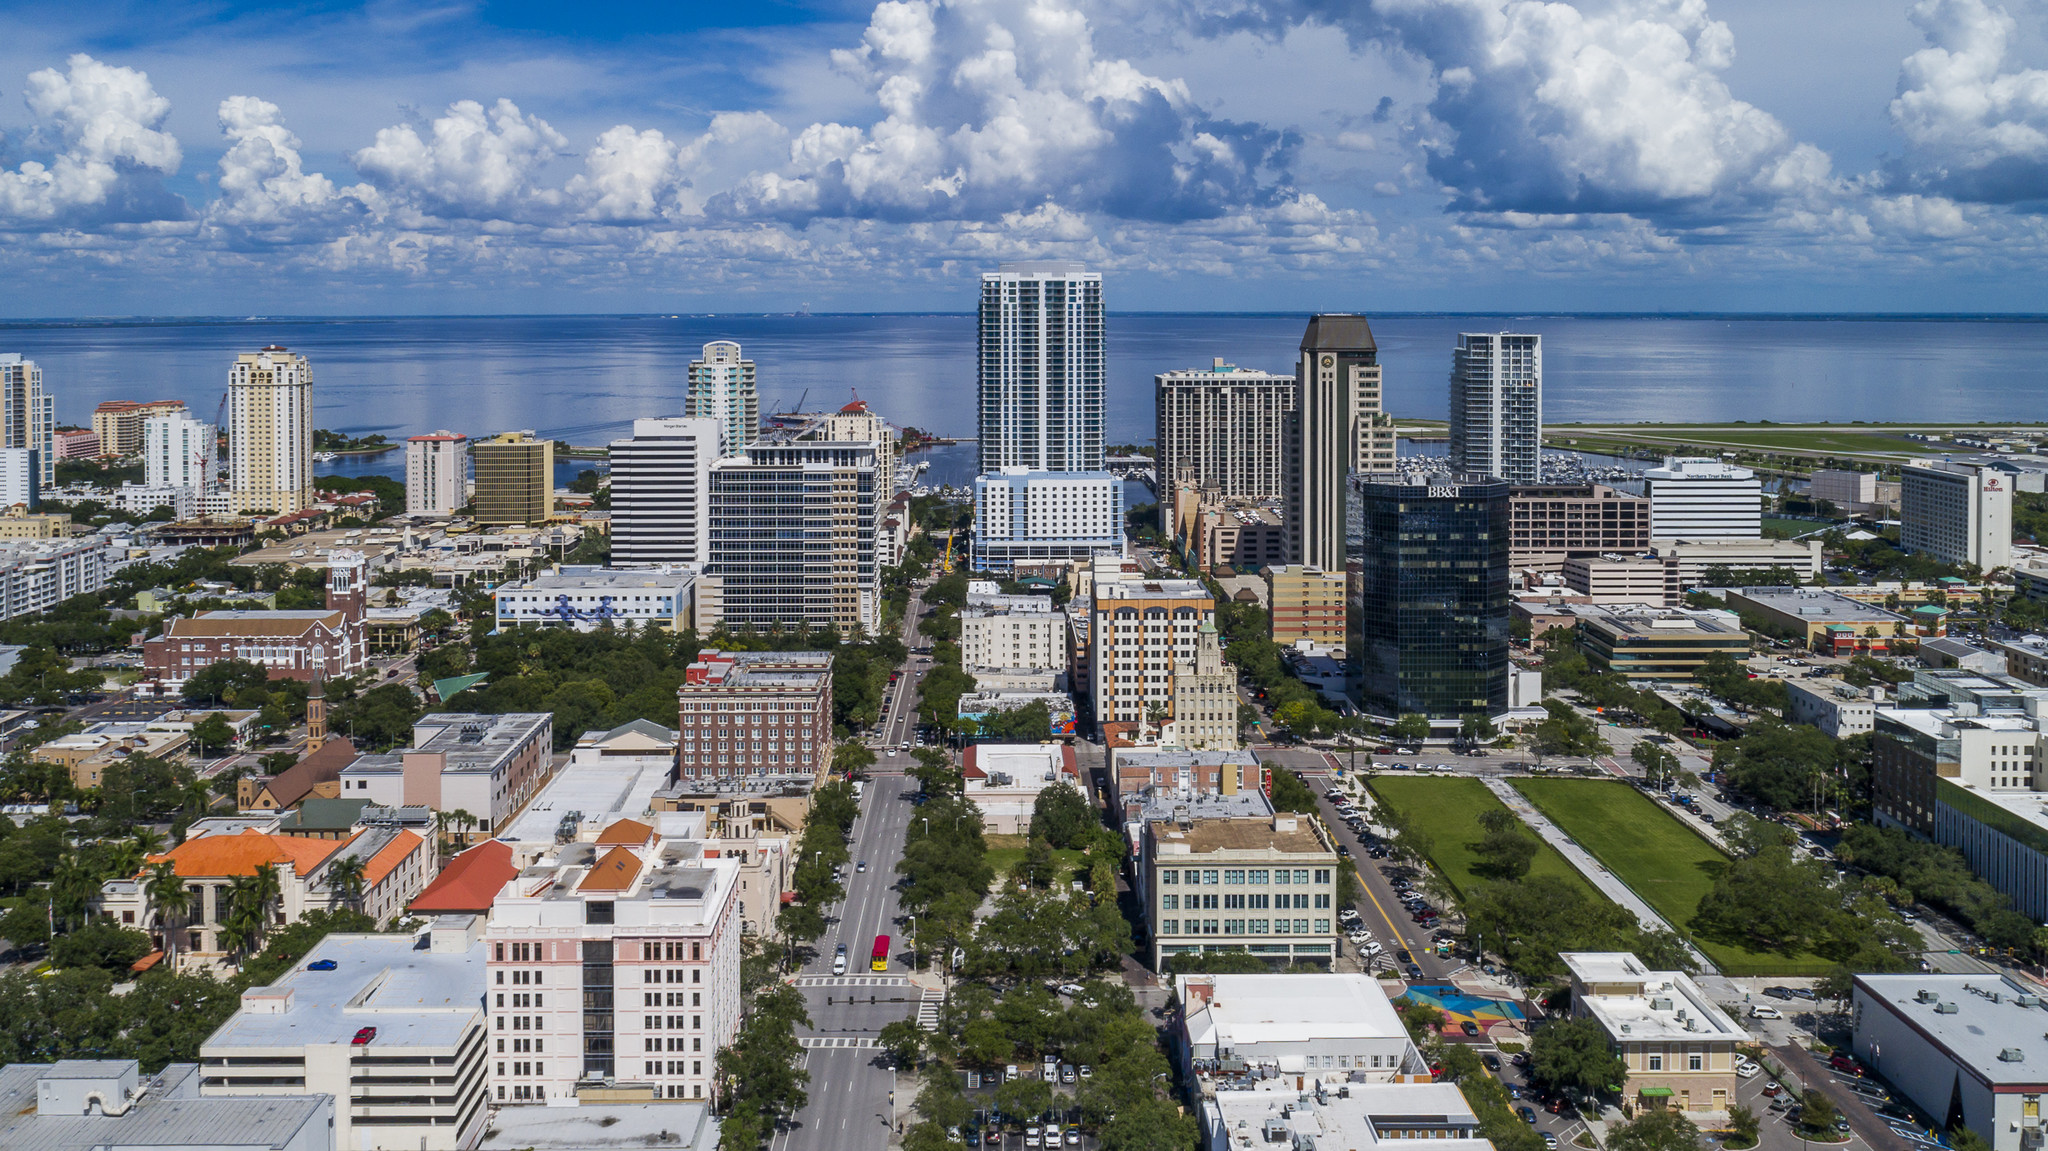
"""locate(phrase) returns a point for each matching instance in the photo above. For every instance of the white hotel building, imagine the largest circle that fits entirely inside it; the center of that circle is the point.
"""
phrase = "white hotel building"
(614, 965)
(1957, 513)
(1022, 515)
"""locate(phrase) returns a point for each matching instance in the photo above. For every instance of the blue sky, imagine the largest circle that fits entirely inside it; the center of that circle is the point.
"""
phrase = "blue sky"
(1769, 155)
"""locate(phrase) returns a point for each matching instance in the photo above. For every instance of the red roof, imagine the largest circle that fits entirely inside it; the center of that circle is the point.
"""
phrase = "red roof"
(856, 406)
(450, 438)
(470, 882)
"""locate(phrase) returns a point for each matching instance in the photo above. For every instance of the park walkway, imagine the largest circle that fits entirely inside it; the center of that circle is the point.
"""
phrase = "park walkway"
(1602, 879)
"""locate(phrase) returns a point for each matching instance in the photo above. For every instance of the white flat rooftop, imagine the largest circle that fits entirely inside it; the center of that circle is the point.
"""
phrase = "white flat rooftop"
(1373, 1114)
(1246, 1010)
(621, 787)
(1978, 1029)
(414, 997)
(597, 1127)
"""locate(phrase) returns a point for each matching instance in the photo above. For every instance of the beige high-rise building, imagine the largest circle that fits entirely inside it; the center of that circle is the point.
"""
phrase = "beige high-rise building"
(1142, 630)
(1205, 695)
(1223, 428)
(1340, 428)
(515, 479)
(436, 473)
(854, 423)
(270, 433)
(722, 388)
(120, 423)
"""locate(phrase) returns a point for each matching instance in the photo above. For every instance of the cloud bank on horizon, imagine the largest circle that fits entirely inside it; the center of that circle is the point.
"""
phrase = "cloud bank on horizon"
(1598, 140)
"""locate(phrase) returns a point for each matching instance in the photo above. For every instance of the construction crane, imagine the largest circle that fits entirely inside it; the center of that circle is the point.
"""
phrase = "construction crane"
(207, 455)
(946, 564)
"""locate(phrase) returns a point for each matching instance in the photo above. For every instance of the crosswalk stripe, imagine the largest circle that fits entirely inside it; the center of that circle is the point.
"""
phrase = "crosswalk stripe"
(814, 1042)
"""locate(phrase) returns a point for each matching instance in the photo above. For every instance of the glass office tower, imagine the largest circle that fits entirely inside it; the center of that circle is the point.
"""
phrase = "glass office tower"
(1428, 619)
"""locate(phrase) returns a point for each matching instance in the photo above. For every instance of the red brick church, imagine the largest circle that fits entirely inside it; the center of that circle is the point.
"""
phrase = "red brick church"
(289, 644)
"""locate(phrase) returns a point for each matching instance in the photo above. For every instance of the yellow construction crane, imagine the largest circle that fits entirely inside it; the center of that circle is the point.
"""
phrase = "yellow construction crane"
(946, 563)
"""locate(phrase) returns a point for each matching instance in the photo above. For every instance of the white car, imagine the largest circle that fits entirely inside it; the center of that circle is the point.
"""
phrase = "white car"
(1746, 1069)
(1371, 947)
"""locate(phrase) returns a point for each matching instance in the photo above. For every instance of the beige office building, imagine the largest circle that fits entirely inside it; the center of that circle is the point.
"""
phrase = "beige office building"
(1624, 579)
(1340, 428)
(515, 479)
(270, 433)
(1680, 1047)
(1550, 523)
(1143, 630)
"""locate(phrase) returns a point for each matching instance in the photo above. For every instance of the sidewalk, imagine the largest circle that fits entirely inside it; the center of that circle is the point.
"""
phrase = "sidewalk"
(1602, 879)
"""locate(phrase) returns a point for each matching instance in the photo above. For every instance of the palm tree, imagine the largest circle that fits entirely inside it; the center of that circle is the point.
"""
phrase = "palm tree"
(148, 839)
(250, 897)
(345, 878)
(172, 900)
(72, 886)
(458, 818)
(197, 797)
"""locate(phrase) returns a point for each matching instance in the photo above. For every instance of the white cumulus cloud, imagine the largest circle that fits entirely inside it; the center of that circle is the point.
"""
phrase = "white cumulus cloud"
(473, 162)
(1553, 108)
(1976, 130)
(105, 125)
(263, 181)
(994, 106)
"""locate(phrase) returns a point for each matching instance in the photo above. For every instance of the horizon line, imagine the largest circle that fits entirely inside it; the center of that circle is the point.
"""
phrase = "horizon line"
(358, 317)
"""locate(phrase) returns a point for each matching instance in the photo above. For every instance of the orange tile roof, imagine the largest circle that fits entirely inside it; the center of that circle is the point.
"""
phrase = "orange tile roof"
(630, 832)
(470, 882)
(216, 855)
(615, 870)
(387, 860)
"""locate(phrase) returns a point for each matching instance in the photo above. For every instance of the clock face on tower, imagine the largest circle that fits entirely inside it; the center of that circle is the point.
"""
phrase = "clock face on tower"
(1329, 361)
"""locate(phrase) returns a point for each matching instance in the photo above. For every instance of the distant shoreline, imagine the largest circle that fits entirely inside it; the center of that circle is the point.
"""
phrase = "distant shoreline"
(1842, 317)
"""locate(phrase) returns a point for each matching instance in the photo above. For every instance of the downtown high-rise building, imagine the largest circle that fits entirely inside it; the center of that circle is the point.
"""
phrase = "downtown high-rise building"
(1223, 428)
(515, 479)
(270, 433)
(436, 473)
(1497, 406)
(1429, 597)
(1339, 428)
(1959, 513)
(1041, 368)
(792, 528)
(1703, 498)
(661, 490)
(722, 389)
(28, 415)
(179, 452)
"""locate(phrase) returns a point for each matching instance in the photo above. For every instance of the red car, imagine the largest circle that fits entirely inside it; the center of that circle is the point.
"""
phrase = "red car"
(364, 1036)
(1845, 1065)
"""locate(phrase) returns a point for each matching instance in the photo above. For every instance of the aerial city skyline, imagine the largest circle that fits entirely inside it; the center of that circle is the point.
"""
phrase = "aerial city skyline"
(1024, 575)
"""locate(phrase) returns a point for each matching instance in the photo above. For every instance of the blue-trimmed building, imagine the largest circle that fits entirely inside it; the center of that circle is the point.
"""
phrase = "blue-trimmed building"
(587, 598)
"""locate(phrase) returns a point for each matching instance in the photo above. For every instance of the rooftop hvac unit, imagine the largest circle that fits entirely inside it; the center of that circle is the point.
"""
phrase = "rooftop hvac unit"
(2012, 1055)
(2027, 1000)
(1925, 996)
(1944, 1009)
(1660, 1005)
